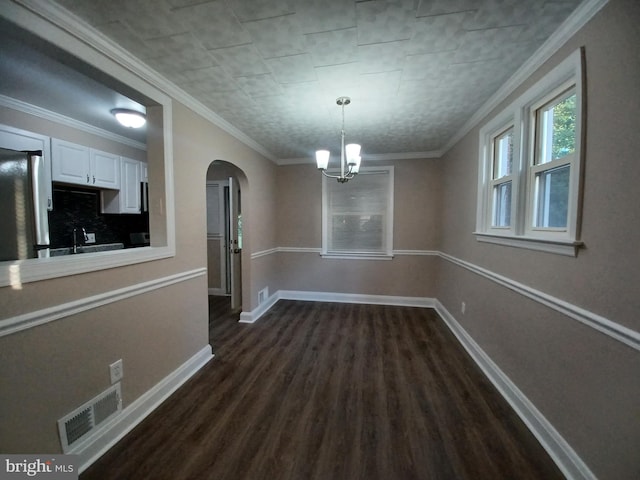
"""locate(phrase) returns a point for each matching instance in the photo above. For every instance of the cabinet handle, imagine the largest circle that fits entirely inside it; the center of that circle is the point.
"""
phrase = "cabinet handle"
(94, 179)
(87, 178)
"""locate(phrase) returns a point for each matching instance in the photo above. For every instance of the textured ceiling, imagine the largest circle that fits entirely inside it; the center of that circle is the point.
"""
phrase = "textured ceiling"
(415, 70)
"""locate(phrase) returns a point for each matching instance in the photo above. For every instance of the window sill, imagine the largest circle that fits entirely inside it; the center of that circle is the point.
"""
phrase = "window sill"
(357, 256)
(17, 272)
(558, 247)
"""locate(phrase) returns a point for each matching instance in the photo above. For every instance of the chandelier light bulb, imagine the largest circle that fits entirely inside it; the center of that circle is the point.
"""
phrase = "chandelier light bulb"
(353, 152)
(322, 159)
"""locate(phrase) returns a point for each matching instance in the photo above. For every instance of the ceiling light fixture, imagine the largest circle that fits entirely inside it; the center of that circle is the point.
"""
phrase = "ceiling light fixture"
(129, 118)
(349, 157)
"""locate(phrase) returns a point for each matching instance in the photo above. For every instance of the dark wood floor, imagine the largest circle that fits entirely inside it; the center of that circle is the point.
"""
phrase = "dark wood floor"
(334, 392)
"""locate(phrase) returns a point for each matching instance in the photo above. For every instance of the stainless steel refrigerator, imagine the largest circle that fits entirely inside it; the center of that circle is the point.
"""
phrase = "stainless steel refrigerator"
(24, 221)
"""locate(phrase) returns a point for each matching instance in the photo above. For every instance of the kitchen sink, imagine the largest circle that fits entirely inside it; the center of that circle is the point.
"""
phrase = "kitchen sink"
(56, 252)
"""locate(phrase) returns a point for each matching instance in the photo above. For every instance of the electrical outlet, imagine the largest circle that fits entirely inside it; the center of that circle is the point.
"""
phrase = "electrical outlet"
(463, 307)
(116, 371)
(91, 238)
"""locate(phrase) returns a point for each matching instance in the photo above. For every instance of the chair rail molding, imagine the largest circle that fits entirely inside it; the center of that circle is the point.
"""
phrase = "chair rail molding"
(40, 317)
(604, 325)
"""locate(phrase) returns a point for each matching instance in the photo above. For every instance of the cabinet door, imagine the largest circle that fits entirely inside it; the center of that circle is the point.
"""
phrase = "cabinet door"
(70, 162)
(127, 198)
(130, 187)
(105, 169)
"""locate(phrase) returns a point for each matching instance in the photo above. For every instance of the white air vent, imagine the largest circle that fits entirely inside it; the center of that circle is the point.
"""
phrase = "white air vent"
(86, 419)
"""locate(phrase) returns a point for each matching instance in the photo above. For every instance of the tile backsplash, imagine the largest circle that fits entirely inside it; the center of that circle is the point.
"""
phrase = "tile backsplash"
(76, 207)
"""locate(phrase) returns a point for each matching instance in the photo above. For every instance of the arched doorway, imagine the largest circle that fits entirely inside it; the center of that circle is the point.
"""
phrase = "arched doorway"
(224, 233)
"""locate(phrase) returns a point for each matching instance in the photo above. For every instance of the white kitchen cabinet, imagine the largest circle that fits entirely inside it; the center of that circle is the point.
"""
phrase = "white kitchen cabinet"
(16, 139)
(105, 169)
(80, 165)
(127, 199)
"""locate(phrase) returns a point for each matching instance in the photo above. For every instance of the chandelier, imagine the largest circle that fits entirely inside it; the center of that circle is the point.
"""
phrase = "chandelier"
(349, 155)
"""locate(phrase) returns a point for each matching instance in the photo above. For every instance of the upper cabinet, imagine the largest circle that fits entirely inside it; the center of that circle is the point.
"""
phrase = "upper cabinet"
(80, 165)
(105, 169)
(122, 181)
(128, 198)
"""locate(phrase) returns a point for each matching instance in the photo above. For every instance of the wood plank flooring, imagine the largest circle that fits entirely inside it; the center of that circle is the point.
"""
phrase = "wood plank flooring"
(331, 391)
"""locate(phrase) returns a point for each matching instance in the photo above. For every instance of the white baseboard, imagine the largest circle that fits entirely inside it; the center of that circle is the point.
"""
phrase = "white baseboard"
(255, 314)
(556, 446)
(423, 302)
(138, 410)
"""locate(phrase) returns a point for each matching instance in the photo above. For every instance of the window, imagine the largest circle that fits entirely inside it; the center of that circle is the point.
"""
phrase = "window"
(357, 216)
(502, 178)
(555, 147)
(530, 166)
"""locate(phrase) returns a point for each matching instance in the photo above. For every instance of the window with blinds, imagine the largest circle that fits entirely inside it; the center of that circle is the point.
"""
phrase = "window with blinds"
(357, 216)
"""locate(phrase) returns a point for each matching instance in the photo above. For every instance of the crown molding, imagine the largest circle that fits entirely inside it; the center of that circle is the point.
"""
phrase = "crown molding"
(76, 27)
(578, 19)
(73, 25)
(40, 112)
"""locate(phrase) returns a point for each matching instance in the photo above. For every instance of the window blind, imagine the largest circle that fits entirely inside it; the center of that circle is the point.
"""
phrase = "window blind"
(357, 214)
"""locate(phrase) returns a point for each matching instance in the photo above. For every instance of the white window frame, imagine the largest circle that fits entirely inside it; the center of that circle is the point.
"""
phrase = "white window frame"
(567, 76)
(497, 182)
(388, 253)
(563, 91)
(487, 183)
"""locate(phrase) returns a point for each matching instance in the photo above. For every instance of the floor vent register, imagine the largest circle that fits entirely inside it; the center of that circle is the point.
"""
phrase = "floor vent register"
(78, 426)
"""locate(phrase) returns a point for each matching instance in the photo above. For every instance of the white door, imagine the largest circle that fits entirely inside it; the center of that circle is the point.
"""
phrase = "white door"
(235, 244)
(217, 255)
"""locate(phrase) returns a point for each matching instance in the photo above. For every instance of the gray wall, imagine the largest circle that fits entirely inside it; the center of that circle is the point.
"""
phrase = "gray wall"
(586, 383)
(417, 185)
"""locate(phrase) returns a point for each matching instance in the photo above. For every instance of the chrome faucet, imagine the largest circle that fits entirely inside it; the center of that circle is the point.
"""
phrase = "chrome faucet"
(75, 240)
